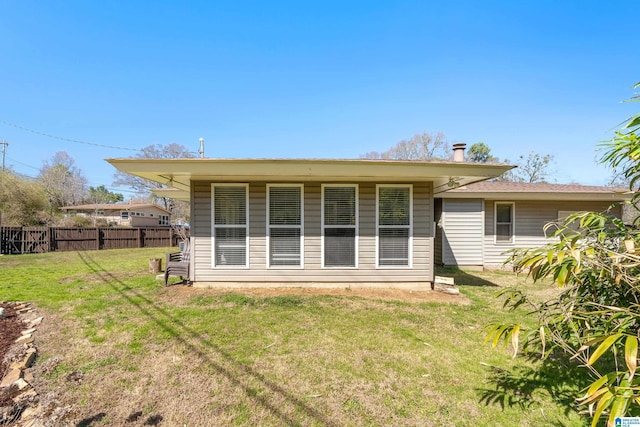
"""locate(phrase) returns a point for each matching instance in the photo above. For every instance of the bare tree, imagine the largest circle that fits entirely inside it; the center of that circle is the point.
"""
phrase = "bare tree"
(63, 182)
(534, 167)
(144, 187)
(421, 146)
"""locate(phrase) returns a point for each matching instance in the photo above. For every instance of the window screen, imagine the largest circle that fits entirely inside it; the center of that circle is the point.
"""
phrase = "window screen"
(230, 225)
(285, 225)
(394, 225)
(504, 222)
(339, 218)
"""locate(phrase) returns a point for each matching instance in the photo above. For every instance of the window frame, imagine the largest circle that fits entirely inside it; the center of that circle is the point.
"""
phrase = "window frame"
(356, 226)
(214, 226)
(290, 226)
(409, 227)
(512, 240)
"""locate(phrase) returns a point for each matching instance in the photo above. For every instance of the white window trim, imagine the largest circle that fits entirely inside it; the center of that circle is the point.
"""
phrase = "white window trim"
(301, 227)
(214, 226)
(410, 253)
(357, 225)
(495, 223)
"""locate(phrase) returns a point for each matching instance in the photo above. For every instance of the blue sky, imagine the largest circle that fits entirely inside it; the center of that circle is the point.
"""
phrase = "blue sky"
(330, 79)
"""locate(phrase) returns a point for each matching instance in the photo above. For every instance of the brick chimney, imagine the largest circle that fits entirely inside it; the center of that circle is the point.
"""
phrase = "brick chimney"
(458, 151)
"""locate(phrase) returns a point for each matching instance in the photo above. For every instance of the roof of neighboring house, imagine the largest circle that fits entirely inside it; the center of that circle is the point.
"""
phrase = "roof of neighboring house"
(179, 173)
(113, 207)
(536, 191)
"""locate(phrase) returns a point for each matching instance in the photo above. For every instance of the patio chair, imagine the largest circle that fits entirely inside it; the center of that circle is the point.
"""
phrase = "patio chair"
(178, 264)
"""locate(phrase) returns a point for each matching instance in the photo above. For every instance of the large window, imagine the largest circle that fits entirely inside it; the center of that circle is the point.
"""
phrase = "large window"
(284, 224)
(394, 224)
(230, 225)
(504, 214)
(339, 225)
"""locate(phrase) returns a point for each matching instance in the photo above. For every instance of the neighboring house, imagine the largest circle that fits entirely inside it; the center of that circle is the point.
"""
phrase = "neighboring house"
(123, 214)
(323, 223)
(477, 223)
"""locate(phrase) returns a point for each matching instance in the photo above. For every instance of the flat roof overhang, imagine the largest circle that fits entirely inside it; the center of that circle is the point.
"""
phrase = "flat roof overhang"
(613, 196)
(179, 173)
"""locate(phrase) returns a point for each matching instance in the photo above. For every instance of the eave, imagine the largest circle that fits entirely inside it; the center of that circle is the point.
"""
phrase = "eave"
(179, 173)
(540, 196)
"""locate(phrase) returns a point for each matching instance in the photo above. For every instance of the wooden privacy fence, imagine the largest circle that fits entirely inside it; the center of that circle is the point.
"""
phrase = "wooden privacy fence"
(27, 240)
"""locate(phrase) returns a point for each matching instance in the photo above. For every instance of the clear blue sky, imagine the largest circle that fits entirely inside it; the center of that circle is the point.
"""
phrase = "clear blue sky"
(330, 79)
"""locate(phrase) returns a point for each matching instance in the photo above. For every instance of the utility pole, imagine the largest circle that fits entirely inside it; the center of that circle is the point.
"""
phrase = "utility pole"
(4, 147)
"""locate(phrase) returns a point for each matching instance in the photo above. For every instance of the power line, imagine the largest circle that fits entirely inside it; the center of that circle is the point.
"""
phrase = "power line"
(65, 139)
(23, 164)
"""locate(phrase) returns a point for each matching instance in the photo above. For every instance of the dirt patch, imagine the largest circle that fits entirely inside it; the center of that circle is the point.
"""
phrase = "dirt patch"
(10, 329)
(179, 293)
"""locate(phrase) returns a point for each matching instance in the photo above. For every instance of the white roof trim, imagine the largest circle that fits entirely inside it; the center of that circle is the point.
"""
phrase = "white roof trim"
(179, 173)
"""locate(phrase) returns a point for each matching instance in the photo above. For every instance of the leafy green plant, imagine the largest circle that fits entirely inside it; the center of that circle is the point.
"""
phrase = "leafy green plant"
(595, 259)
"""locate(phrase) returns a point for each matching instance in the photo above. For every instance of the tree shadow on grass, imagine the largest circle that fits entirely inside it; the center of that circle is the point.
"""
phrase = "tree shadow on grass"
(94, 419)
(526, 386)
(463, 277)
(239, 374)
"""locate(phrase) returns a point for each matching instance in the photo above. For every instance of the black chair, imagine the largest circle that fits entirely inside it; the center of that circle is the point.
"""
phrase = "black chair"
(178, 264)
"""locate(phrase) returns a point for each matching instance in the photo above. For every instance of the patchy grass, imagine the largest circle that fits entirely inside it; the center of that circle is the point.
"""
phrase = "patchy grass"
(120, 348)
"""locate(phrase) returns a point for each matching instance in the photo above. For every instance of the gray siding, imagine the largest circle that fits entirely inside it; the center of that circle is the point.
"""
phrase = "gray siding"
(366, 273)
(462, 232)
(530, 218)
(437, 242)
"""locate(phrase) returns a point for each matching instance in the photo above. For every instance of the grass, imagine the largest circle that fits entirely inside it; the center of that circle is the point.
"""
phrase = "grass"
(150, 355)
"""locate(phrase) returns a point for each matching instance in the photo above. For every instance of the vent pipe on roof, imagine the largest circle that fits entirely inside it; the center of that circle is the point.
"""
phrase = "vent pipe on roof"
(458, 151)
(201, 151)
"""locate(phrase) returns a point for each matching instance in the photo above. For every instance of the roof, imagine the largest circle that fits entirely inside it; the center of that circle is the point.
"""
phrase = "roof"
(179, 173)
(113, 207)
(536, 191)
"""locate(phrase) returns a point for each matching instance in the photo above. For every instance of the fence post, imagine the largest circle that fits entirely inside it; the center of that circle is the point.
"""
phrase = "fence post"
(139, 237)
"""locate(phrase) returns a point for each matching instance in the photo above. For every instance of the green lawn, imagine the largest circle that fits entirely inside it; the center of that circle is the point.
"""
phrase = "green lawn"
(150, 355)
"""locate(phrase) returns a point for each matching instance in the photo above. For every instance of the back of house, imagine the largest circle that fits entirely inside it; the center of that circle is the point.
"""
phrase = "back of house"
(310, 222)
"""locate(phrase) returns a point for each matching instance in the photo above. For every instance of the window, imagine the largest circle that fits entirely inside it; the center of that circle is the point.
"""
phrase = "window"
(504, 222)
(284, 225)
(339, 225)
(163, 219)
(394, 223)
(230, 225)
(124, 215)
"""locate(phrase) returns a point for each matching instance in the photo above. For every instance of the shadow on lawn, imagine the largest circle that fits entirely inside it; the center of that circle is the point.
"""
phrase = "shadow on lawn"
(522, 386)
(238, 374)
(463, 278)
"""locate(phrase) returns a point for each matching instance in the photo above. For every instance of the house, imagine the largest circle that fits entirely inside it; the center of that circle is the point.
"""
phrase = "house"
(477, 223)
(123, 214)
(306, 222)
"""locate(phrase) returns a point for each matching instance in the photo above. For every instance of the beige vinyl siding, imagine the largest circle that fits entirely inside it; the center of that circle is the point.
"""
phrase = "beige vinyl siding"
(462, 232)
(529, 220)
(437, 254)
(258, 272)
